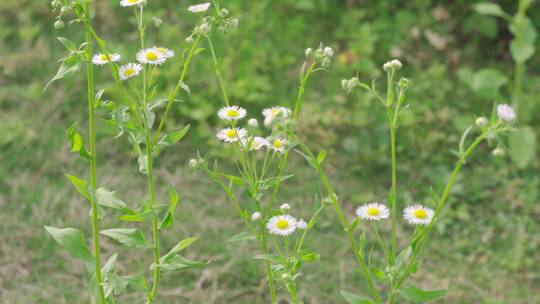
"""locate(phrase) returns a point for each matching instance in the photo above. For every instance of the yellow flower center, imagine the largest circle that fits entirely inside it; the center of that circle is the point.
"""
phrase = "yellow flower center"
(129, 72)
(231, 133)
(133, 1)
(282, 224)
(277, 144)
(275, 112)
(421, 214)
(232, 113)
(151, 56)
(373, 211)
(105, 57)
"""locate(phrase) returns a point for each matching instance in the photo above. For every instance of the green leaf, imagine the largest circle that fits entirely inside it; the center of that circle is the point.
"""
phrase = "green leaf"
(131, 237)
(137, 216)
(352, 298)
(491, 9)
(418, 295)
(321, 156)
(522, 146)
(183, 244)
(81, 185)
(310, 257)
(71, 240)
(169, 216)
(244, 236)
(185, 87)
(76, 142)
(70, 46)
(177, 263)
(171, 138)
(107, 198)
(522, 47)
(69, 66)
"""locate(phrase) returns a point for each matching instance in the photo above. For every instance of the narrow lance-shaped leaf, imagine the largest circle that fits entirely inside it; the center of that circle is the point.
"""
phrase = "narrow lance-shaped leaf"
(71, 240)
(169, 216)
(109, 199)
(81, 185)
(76, 142)
(131, 237)
(171, 138)
(183, 244)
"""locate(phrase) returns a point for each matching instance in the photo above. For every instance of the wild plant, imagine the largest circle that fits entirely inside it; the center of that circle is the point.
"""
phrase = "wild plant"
(133, 113)
(260, 153)
(397, 268)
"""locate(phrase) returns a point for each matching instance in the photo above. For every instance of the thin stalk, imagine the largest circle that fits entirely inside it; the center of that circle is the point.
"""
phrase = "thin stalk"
(179, 84)
(344, 223)
(93, 151)
(264, 244)
(440, 205)
(393, 201)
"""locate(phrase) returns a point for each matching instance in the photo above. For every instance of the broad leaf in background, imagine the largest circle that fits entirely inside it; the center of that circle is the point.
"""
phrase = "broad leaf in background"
(352, 298)
(522, 146)
(485, 83)
(418, 295)
(522, 46)
(71, 240)
(491, 9)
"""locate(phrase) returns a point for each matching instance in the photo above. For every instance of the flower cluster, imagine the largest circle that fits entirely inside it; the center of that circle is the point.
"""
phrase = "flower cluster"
(414, 214)
(222, 21)
(249, 142)
(322, 55)
(505, 116)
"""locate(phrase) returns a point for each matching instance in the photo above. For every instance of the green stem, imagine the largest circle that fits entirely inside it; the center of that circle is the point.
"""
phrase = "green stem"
(264, 244)
(177, 88)
(345, 225)
(218, 72)
(518, 83)
(393, 201)
(423, 239)
(93, 152)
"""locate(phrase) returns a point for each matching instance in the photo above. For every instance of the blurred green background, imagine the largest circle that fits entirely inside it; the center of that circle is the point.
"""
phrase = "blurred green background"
(485, 247)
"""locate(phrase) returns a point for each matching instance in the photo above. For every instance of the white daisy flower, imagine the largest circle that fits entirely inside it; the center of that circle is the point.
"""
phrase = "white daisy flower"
(278, 144)
(270, 114)
(151, 56)
(281, 225)
(165, 52)
(256, 216)
(130, 70)
(373, 211)
(506, 113)
(418, 215)
(302, 225)
(126, 3)
(231, 135)
(254, 144)
(285, 207)
(199, 8)
(102, 59)
(232, 113)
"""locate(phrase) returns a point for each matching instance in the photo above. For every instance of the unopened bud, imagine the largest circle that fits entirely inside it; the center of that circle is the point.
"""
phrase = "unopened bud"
(189, 40)
(285, 207)
(193, 163)
(253, 122)
(396, 64)
(157, 21)
(481, 122)
(224, 12)
(498, 152)
(59, 24)
(328, 51)
(256, 216)
(308, 52)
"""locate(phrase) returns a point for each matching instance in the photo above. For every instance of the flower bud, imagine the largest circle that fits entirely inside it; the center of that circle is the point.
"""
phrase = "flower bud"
(256, 216)
(65, 9)
(481, 122)
(234, 22)
(189, 40)
(308, 52)
(328, 51)
(286, 277)
(253, 122)
(387, 66)
(498, 152)
(396, 64)
(224, 12)
(157, 21)
(345, 85)
(193, 163)
(204, 28)
(285, 207)
(302, 225)
(59, 24)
